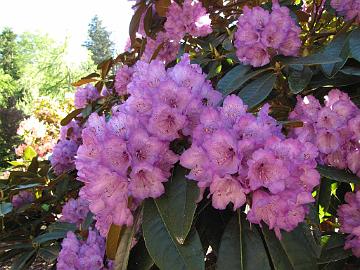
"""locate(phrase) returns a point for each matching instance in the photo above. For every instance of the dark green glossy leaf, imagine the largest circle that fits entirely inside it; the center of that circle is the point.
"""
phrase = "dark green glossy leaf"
(258, 90)
(62, 227)
(354, 43)
(294, 251)
(50, 253)
(235, 78)
(338, 80)
(49, 236)
(298, 80)
(351, 71)
(242, 247)
(337, 175)
(177, 206)
(21, 262)
(334, 250)
(324, 194)
(164, 249)
(314, 59)
(139, 257)
(340, 48)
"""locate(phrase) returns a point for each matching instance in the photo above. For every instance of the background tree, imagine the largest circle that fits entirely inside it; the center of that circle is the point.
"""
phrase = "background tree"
(99, 42)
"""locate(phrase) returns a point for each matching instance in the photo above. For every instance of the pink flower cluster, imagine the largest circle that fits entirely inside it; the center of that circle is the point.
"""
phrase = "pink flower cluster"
(190, 18)
(350, 9)
(82, 254)
(349, 218)
(24, 197)
(63, 156)
(240, 156)
(128, 156)
(261, 35)
(85, 95)
(75, 211)
(333, 128)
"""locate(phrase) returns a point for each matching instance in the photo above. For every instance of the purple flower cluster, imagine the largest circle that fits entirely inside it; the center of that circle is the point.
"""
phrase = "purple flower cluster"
(75, 211)
(240, 156)
(63, 156)
(349, 218)
(85, 95)
(190, 18)
(261, 35)
(24, 197)
(128, 156)
(333, 128)
(82, 254)
(122, 79)
(350, 9)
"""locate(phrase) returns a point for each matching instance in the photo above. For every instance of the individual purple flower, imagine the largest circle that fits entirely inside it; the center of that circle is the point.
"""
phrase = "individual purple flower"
(63, 156)
(85, 95)
(68, 256)
(349, 219)
(71, 131)
(75, 211)
(350, 9)
(225, 190)
(22, 198)
(122, 79)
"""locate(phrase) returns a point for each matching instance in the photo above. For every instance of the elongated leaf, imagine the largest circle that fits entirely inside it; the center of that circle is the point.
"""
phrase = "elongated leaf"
(161, 7)
(298, 80)
(113, 240)
(338, 80)
(324, 194)
(164, 249)
(83, 81)
(334, 250)
(339, 47)
(232, 79)
(49, 236)
(314, 59)
(337, 175)
(294, 251)
(70, 117)
(354, 43)
(351, 71)
(5, 208)
(22, 260)
(177, 206)
(241, 247)
(49, 254)
(258, 90)
(139, 257)
(135, 22)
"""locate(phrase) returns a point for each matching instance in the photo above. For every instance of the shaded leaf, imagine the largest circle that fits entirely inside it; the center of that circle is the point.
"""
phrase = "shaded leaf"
(161, 7)
(351, 71)
(354, 43)
(334, 250)
(314, 59)
(50, 253)
(83, 81)
(70, 117)
(164, 249)
(5, 208)
(135, 22)
(178, 204)
(23, 259)
(139, 257)
(34, 165)
(324, 194)
(113, 240)
(148, 21)
(337, 175)
(242, 247)
(258, 90)
(49, 236)
(298, 80)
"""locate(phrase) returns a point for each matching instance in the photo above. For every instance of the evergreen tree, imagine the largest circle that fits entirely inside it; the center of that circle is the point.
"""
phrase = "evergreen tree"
(99, 42)
(8, 53)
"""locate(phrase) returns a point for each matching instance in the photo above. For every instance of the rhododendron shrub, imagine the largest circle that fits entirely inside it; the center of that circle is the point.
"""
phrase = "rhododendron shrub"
(226, 136)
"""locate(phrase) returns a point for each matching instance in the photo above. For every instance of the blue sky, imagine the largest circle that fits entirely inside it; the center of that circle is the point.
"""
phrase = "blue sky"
(68, 18)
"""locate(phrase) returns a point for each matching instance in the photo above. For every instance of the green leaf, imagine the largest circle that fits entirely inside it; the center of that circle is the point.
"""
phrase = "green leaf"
(324, 194)
(70, 117)
(23, 259)
(50, 253)
(338, 80)
(177, 206)
(294, 251)
(49, 236)
(337, 175)
(351, 71)
(314, 59)
(258, 90)
(139, 257)
(5, 208)
(334, 250)
(29, 153)
(232, 79)
(241, 247)
(340, 48)
(354, 43)
(298, 80)
(164, 249)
